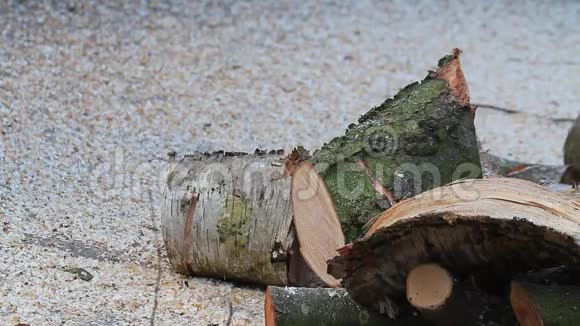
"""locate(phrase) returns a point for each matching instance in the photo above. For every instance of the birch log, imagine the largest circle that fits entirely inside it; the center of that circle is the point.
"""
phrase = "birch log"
(501, 226)
(229, 215)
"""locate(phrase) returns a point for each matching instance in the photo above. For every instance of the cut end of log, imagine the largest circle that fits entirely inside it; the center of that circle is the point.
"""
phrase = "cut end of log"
(451, 71)
(429, 286)
(524, 307)
(269, 309)
(317, 225)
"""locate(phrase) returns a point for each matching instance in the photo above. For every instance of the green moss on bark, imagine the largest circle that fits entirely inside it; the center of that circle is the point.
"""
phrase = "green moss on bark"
(421, 134)
(445, 60)
(320, 306)
(232, 226)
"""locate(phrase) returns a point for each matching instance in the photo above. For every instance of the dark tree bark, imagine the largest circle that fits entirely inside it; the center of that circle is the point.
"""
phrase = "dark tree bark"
(421, 139)
(322, 306)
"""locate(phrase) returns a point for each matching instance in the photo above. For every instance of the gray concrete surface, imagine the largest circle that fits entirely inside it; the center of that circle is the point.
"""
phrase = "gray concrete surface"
(93, 95)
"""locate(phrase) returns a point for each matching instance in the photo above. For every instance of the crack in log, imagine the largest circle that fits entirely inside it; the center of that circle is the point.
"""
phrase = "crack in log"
(187, 236)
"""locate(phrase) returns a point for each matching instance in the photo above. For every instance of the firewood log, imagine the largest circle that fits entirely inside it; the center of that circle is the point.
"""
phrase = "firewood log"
(421, 139)
(539, 305)
(500, 225)
(288, 306)
(275, 219)
(229, 215)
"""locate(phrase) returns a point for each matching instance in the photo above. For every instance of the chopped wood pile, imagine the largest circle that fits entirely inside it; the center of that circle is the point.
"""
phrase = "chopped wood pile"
(388, 224)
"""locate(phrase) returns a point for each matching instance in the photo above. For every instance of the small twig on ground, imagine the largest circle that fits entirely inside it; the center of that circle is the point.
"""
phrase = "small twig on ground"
(497, 108)
(150, 227)
(231, 314)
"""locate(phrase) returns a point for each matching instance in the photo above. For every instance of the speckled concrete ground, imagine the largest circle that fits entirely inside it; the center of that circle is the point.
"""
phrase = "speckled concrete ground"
(92, 96)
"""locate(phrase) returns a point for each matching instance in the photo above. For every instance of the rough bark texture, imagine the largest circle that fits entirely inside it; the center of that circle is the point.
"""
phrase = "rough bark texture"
(421, 139)
(228, 215)
(500, 225)
(322, 306)
(546, 305)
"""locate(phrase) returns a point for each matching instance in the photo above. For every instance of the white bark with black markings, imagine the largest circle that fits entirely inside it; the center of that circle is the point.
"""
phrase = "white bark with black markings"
(228, 215)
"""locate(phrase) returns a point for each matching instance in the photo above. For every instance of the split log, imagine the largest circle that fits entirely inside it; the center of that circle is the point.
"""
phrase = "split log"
(276, 220)
(444, 300)
(501, 226)
(539, 305)
(287, 306)
(421, 139)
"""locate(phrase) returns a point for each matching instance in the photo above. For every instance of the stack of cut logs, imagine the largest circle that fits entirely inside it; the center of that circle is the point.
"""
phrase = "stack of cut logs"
(429, 241)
